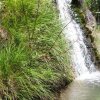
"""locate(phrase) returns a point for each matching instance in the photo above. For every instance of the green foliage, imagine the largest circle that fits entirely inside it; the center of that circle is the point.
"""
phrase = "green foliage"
(88, 2)
(93, 5)
(34, 60)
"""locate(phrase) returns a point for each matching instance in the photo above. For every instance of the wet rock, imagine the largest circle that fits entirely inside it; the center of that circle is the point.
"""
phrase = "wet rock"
(90, 20)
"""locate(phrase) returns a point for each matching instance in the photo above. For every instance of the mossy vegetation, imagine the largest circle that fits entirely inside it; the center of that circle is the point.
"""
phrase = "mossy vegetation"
(96, 35)
(34, 58)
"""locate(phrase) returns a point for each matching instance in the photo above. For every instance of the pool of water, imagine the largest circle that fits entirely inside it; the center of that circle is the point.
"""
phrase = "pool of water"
(87, 88)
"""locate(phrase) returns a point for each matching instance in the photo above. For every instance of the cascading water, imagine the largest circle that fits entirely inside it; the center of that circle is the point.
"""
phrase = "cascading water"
(80, 57)
(87, 84)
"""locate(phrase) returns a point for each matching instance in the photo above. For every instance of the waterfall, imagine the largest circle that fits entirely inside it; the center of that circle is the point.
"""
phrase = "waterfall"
(80, 56)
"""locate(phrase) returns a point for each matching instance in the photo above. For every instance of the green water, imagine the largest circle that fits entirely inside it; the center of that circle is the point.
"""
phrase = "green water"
(82, 90)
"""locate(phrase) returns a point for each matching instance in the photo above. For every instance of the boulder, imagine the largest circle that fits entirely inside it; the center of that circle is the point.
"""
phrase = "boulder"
(90, 20)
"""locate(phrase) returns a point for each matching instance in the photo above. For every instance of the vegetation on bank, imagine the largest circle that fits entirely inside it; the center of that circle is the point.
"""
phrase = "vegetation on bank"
(34, 61)
(96, 35)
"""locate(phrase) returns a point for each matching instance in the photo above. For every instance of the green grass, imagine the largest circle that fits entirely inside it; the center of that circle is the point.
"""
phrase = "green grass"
(34, 58)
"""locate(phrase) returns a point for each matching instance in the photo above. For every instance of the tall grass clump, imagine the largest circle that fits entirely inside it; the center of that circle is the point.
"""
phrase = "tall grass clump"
(34, 62)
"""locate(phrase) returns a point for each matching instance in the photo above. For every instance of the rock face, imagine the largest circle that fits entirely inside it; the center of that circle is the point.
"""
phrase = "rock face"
(88, 25)
(90, 20)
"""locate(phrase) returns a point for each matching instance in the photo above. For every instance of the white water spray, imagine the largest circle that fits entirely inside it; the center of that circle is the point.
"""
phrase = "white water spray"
(80, 57)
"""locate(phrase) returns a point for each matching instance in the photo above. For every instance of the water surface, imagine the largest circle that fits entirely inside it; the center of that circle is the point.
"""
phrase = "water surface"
(84, 88)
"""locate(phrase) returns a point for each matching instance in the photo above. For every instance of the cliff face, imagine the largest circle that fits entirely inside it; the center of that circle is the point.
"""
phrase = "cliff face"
(89, 18)
(88, 23)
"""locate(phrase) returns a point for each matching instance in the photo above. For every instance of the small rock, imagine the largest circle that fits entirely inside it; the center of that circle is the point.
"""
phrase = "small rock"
(3, 34)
